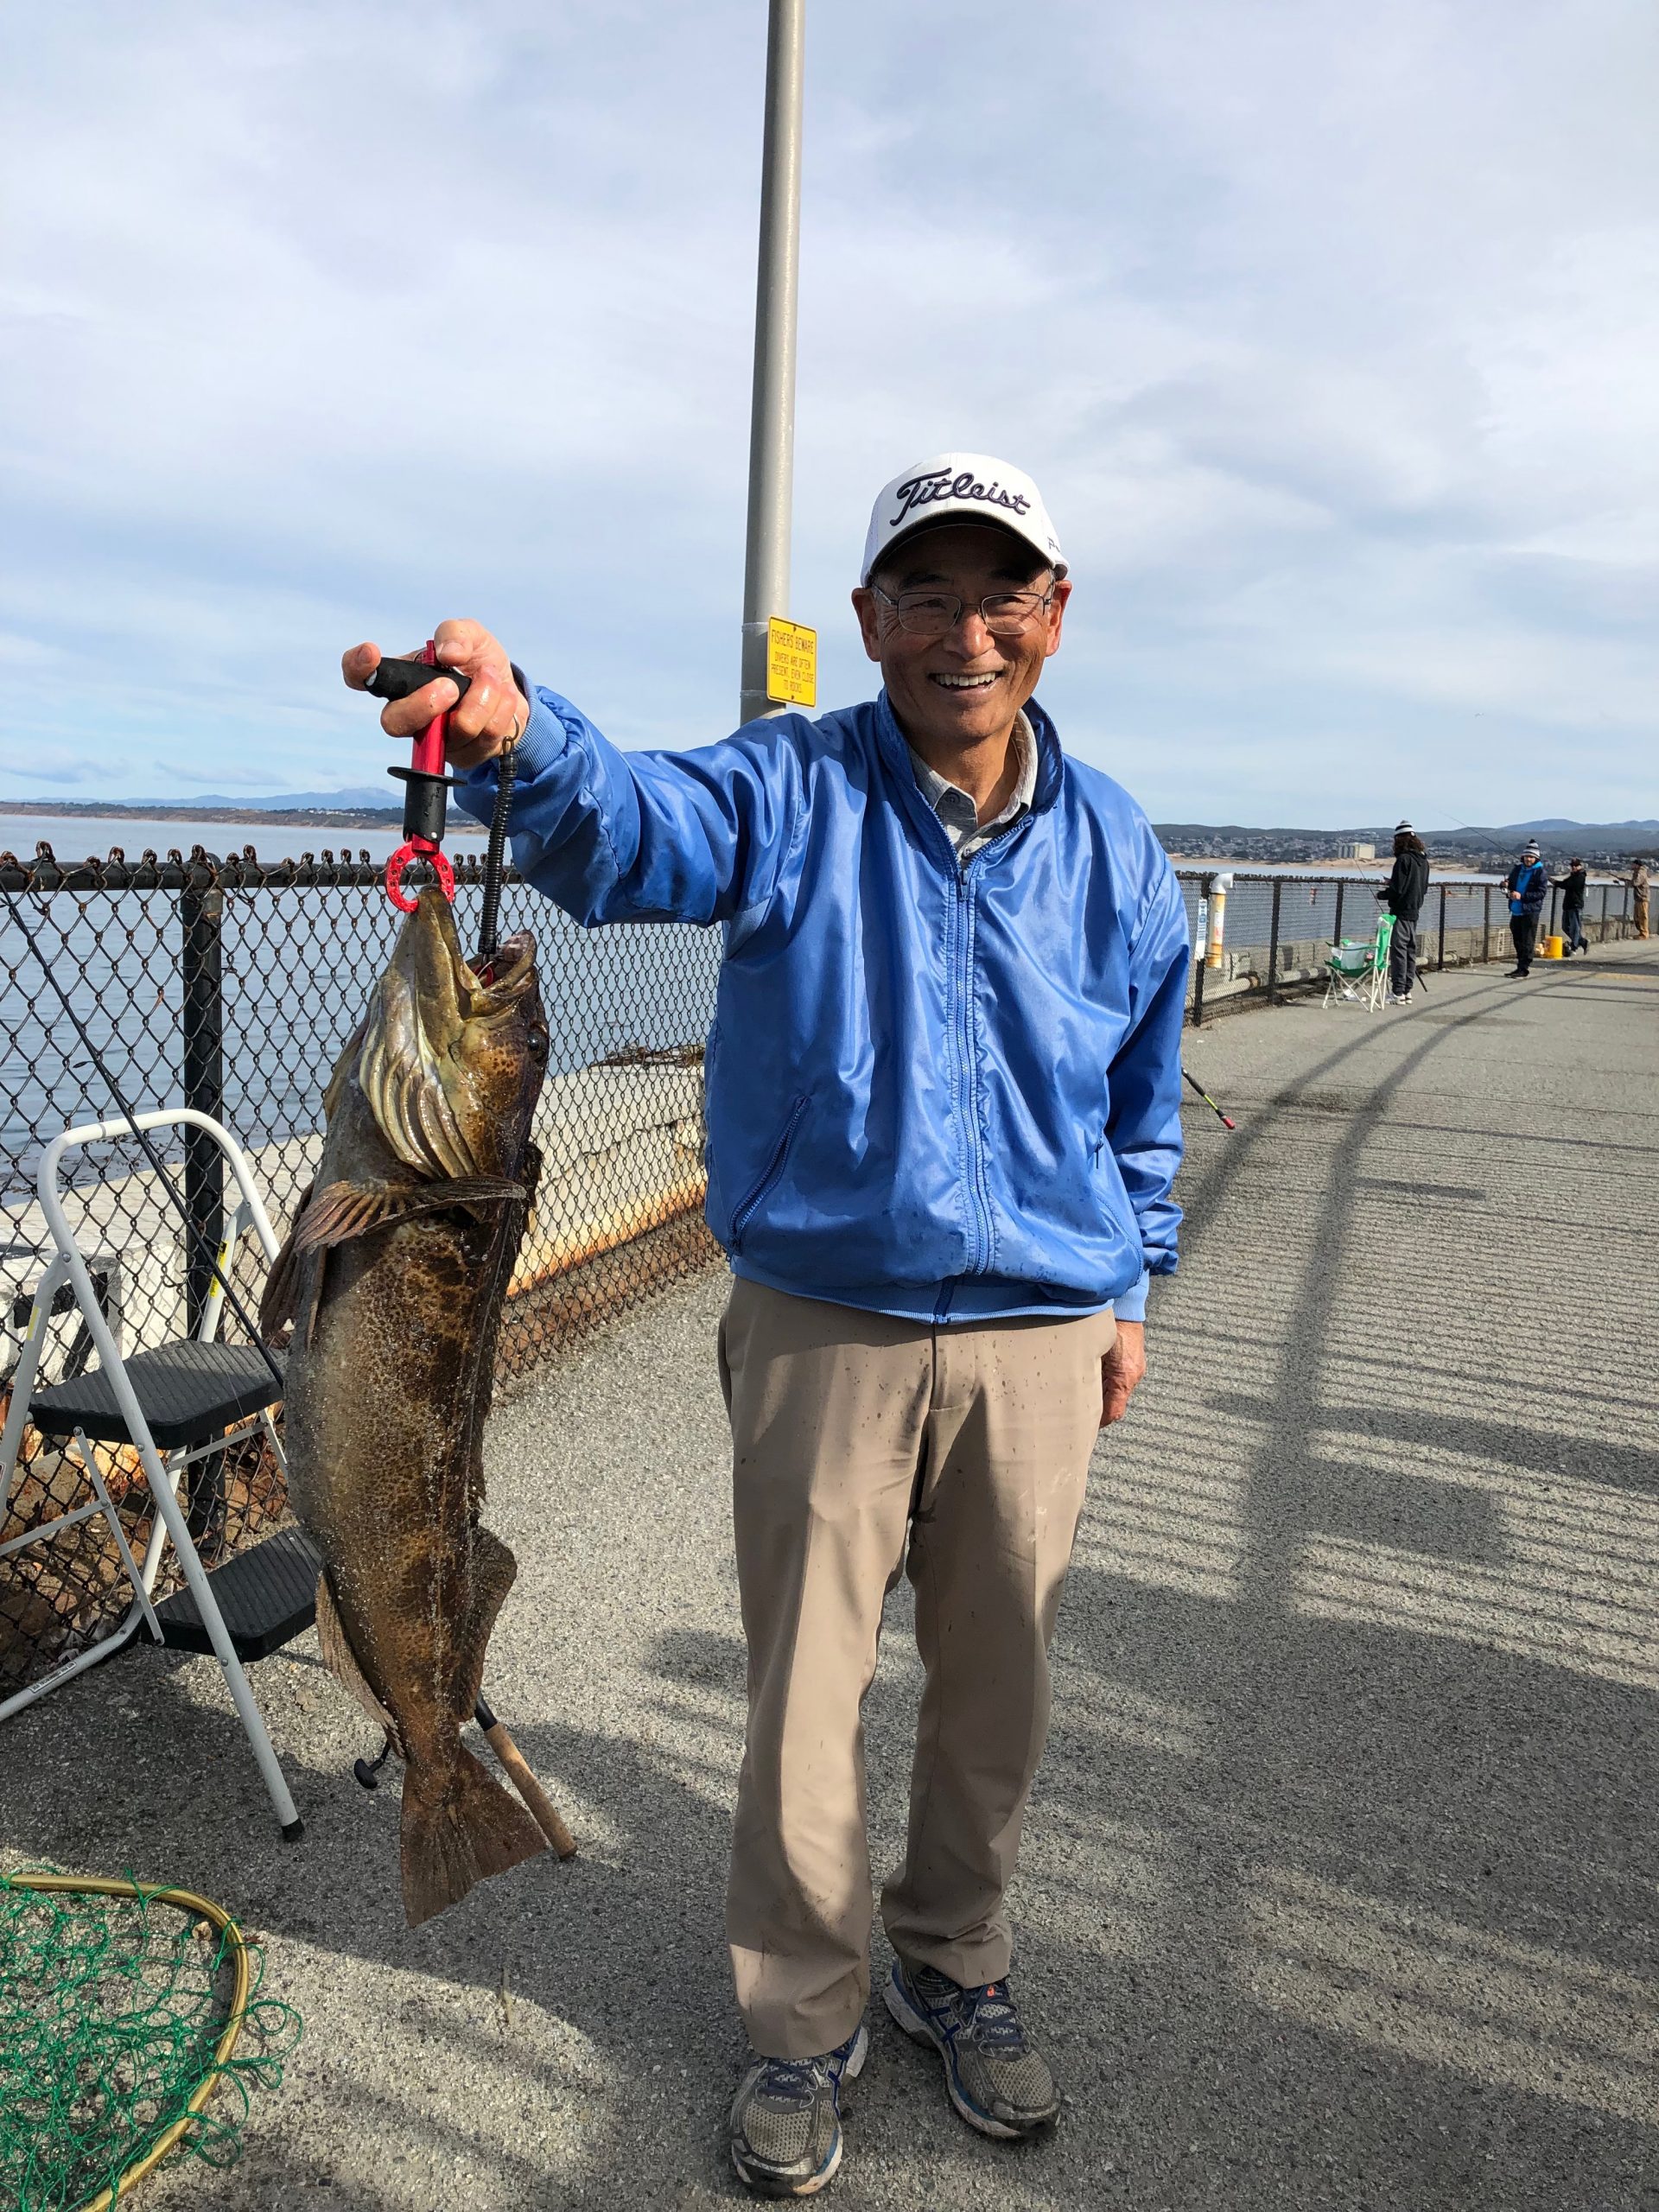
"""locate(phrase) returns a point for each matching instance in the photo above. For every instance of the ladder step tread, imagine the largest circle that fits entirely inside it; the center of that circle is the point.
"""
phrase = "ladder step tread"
(268, 1595)
(187, 1391)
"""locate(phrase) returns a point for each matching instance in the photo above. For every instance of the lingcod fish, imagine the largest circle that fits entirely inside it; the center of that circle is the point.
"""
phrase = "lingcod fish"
(393, 1277)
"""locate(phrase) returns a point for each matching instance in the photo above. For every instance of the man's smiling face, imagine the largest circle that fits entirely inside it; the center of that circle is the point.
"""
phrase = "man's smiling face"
(960, 690)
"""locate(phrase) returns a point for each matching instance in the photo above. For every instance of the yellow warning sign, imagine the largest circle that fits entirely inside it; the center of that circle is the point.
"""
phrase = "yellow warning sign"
(792, 663)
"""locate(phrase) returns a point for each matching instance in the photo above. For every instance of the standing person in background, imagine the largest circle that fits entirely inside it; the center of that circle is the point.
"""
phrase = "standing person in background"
(1403, 895)
(1526, 883)
(1571, 886)
(1639, 890)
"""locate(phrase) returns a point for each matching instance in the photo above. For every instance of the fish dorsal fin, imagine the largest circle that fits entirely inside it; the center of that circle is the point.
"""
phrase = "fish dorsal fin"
(343, 1663)
(342, 1211)
(400, 1076)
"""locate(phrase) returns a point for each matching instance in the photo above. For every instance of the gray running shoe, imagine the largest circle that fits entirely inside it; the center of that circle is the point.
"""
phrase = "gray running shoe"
(786, 2119)
(997, 2081)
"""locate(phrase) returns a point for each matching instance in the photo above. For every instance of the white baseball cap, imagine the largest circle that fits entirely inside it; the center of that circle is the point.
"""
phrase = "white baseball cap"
(960, 488)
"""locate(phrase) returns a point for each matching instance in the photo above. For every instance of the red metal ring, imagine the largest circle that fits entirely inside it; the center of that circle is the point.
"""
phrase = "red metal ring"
(400, 860)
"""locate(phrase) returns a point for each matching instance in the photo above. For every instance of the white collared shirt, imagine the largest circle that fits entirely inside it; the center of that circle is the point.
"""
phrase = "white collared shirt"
(956, 810)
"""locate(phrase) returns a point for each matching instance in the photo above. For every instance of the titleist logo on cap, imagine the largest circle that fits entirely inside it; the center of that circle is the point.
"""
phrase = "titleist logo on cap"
(939, 484)
(969, 487)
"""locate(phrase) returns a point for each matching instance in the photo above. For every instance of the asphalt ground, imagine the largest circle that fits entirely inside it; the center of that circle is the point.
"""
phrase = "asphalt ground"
(1339, 1884)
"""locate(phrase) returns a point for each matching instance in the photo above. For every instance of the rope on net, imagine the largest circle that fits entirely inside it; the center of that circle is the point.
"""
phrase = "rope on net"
(122, 2007)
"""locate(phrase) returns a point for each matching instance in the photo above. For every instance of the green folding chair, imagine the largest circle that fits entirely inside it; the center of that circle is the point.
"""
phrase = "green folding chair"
(1357, 969)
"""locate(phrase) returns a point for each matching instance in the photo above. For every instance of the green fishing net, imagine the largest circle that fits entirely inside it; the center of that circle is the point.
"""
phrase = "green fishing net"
(112, 2008)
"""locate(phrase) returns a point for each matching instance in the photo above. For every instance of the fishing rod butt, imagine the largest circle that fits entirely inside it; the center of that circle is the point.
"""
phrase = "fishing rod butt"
(518, 1770)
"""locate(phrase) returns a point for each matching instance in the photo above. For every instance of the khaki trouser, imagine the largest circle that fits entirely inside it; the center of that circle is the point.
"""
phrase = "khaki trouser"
(1640, 917)
(844, 1424)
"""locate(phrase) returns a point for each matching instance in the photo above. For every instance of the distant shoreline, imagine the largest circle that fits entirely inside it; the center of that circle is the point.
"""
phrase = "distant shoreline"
(271, 817)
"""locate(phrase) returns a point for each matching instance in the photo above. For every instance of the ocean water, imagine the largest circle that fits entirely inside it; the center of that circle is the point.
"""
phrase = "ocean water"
(298, 964)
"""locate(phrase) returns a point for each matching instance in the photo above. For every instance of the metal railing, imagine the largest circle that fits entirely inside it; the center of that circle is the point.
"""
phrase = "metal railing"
(1280, 928)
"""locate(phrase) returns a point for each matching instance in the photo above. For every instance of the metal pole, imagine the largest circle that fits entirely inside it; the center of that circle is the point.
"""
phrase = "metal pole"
(201, 980)
(1273, 948)
(1602, 939)
(1486, 922)
(771, 422)
(1336, 926)
(1204, 948)
(1440, 963)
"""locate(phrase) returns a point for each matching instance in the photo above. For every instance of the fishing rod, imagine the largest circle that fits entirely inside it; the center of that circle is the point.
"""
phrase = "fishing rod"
(1189, 1078)
(367, 1772)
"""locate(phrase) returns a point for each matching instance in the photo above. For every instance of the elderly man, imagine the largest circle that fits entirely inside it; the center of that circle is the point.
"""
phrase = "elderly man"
(943, 1094)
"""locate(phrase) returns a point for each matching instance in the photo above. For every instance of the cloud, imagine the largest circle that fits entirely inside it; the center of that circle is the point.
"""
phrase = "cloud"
(1329, 337)
(236, 779)
(45, 763)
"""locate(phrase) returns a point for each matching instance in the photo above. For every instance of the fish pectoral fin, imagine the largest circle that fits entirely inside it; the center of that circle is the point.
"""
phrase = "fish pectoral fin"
(493, 1570)
(344, 1210)
(342, 1662)
(279, 1299)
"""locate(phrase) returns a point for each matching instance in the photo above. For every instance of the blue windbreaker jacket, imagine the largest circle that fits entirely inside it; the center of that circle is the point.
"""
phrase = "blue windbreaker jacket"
(935, 1091)
(1527, 885)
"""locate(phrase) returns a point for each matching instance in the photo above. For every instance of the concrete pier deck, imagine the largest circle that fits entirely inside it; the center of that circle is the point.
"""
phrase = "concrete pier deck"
(1341, 1884)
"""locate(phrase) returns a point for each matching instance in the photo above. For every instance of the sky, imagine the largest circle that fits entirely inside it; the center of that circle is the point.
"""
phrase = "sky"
(1330, 333)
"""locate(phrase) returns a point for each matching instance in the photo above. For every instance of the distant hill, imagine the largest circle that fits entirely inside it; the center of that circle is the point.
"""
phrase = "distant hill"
(1552, 836)
(1193, 836)
(350, 801)
(1578, 829)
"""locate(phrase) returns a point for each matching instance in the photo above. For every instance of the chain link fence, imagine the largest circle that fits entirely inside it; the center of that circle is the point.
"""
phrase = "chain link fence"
(232, 985)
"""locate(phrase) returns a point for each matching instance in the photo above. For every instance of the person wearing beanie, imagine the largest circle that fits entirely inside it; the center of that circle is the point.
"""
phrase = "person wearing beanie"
(943, 1092)
(1403, 895)
(1571, 886)
(1526, 883)
(1638, 882)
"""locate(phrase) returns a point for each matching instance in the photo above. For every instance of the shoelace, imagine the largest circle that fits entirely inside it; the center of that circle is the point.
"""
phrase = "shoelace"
(793, 2081)
(990, 2016)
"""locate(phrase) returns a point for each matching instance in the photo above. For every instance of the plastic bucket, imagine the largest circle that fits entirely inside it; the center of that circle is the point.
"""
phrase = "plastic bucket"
(1553, 948)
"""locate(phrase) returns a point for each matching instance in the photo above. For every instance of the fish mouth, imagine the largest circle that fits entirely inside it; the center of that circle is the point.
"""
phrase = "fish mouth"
(490, 984)
(417, 1066)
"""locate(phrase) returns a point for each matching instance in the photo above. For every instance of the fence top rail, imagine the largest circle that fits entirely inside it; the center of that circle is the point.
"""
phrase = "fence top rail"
(200, 870)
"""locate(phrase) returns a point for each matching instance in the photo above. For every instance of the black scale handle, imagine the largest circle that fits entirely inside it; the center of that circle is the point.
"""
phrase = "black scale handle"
(396, 679)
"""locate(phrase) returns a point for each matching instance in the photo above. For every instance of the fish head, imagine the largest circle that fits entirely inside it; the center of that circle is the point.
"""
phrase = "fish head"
(452, 1057)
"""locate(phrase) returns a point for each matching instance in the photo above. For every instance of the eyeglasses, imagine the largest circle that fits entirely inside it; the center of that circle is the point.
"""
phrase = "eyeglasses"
(935, 613)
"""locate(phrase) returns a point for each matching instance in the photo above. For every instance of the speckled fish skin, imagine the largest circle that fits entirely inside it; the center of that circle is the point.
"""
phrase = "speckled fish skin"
(395, 1275)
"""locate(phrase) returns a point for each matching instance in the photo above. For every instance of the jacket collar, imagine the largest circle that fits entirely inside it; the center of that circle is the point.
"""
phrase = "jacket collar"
(895, 752)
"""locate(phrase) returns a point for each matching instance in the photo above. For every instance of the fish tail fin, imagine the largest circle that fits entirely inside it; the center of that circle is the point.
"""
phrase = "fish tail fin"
(456, 1835)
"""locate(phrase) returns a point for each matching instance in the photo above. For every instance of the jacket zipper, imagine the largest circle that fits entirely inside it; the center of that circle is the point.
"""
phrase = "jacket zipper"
(971, 1072)
(978, 1193)
(774, 1169)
